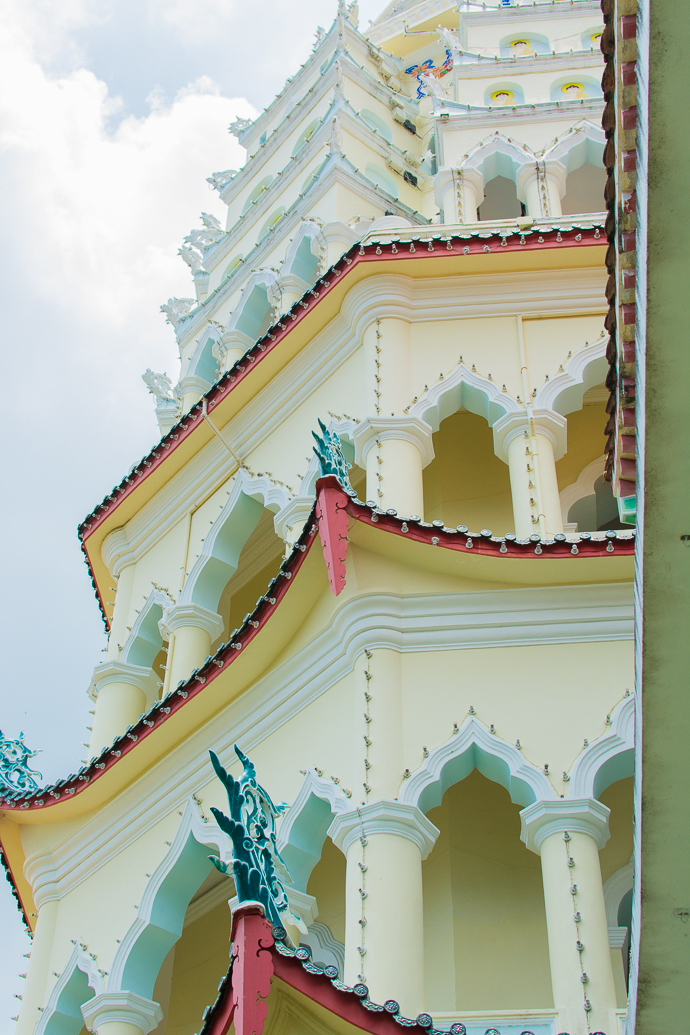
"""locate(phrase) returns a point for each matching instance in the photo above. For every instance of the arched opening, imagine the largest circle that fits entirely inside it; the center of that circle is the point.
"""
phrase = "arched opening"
(256, 193)
(258, 560)
(485, 935)
(64, 1017)
(575, 88)
(597, 512)
(189, 976)
(500, 200)
(255, 318)
(466, 483)
(305, 263)
(203, 363)
(327, 885)
(584, 190)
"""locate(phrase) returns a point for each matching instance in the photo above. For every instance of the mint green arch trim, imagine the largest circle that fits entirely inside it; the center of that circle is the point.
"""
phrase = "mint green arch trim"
(78, 983)
(218, 561)
(475, 747)
(304, 828)
(144, 641)
(164, 903)
(464, 387)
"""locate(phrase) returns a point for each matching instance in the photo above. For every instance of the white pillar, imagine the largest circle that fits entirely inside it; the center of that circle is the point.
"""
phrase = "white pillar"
(190, 630)
(541, 187)
(38, 968)
(394, 451)
(191, 388)
(568, 835)
(530, 443)
(122, 692)
(121, 1013)
(230, 348)
(384, 843)
(291, 288)
(469, 194)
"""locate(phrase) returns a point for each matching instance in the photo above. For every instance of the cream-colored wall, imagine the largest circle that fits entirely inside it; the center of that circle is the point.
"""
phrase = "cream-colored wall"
(202, 957)
(486, 947)
(327, 885)
(586, 442)
(466, 483)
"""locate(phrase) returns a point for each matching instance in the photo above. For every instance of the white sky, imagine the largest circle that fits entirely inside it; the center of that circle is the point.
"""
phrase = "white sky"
(112, 114)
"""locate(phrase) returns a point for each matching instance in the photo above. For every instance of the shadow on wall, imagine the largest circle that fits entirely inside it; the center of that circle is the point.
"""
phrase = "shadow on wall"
(500, 200)
(598, 512)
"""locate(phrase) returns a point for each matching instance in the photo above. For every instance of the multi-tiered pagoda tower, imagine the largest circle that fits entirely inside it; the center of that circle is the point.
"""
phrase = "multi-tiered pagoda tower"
(420, 634)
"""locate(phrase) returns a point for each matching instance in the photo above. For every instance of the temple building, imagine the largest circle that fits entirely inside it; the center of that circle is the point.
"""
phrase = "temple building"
(362, 746)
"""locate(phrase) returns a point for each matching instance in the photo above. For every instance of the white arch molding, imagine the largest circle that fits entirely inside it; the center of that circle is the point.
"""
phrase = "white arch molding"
(145, 640)
(608, 758)
(585, 368)
(303, 828)
(168, 892)
(220, 553)
(475, 747)
(615, 889)
(79, 981)
(582, 487)
(464, 387)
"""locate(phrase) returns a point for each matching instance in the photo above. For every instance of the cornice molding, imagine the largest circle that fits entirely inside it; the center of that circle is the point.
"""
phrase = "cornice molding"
(546, 422)
(580, 815)
(514, 617)
(384, 817)
(185, 614)
(122, 1008)
(384, 429)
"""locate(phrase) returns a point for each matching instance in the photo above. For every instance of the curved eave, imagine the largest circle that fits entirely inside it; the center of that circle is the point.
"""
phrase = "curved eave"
(444, 255)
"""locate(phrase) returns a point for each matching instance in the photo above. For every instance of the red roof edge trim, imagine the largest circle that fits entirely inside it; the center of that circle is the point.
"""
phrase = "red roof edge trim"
(258, 952)
(334, 498)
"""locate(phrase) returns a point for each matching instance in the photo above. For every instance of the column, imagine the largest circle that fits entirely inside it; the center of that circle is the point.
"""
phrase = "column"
(541, 187)
(290, 520)
(191, 388)
(122, 692)
(291, 288)
(384, 843)
(469, 194)
(37, 971)
(230, 348)
(192, 629)
(121, 1013)
(394, 451)
(568, 836)
(530, 443)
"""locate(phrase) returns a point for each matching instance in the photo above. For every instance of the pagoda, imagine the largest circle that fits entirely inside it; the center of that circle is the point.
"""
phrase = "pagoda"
(362, 744)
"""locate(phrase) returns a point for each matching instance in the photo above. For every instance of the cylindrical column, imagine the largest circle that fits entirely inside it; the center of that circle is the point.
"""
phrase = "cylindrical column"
(122, 692)
(121, 1013)
(522, 486)
(193, 628)
(542, 195)
(394, 476)
(469, 193)
(530, 443)
(385, 843)
(546, 466)
(568, 835)
(394, 452)
(38, 969)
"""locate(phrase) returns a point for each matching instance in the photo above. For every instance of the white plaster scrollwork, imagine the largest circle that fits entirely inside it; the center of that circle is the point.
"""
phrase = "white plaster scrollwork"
(607, 759)
(219, 180)
(79, 981)
(473, 746)
(176, 309)
(168, 892)
(159, 385)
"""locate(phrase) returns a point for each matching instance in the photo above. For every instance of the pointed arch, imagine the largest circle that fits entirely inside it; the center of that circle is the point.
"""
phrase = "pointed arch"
(305, 252)
(615, 889)
(583, 143)
(586, 368)
(204, 363)
(253, 311)
(305, 824)
(161, 913)
(464, 387)
(474, 747)
(145, 640)
(498, 156)
(609, 758)
(220, 554)
(79, 982)
(583, 486)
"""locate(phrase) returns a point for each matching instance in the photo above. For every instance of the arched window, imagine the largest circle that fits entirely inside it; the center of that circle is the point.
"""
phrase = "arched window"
(503, 95)
(274, 218)
(500, 200)
(575, 88)
(232, 265)
(525, 46)
(305, 264)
